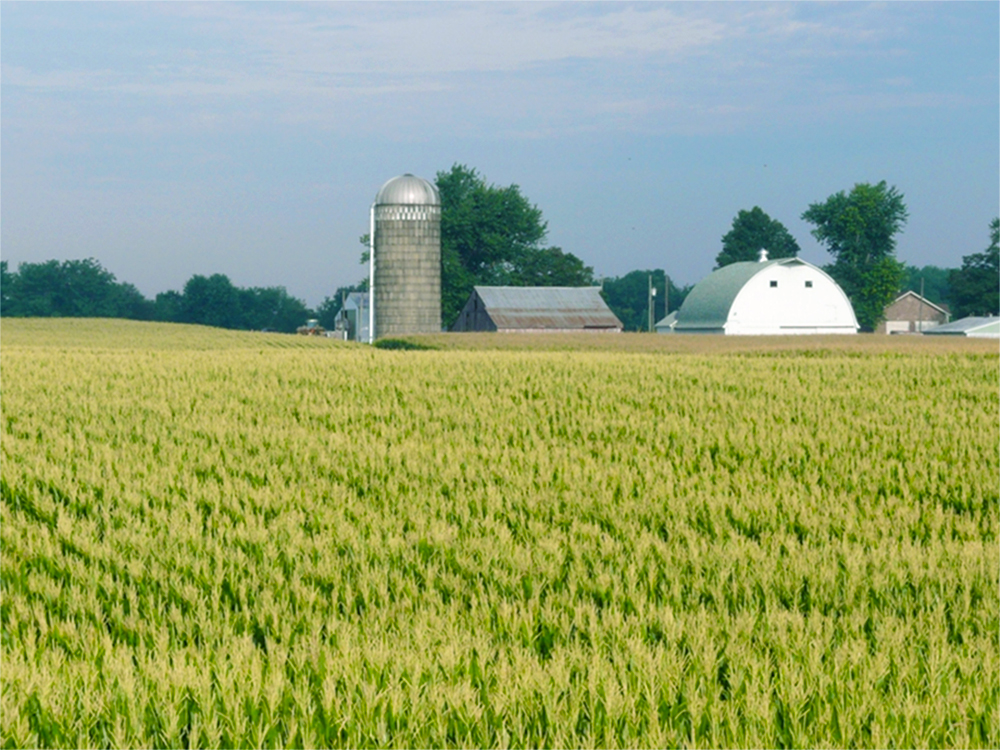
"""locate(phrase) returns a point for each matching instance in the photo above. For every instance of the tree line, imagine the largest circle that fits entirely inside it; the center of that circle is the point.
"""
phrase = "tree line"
(859, 228)
(84, 289)
(493, 235)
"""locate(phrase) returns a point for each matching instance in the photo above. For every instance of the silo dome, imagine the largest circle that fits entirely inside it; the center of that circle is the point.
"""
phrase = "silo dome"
(408, 190)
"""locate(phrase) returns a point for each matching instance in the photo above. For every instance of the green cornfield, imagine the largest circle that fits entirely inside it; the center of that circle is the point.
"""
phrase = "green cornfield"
(224, 539)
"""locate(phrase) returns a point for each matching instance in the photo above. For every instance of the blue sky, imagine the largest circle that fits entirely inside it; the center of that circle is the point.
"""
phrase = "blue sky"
(175, 139)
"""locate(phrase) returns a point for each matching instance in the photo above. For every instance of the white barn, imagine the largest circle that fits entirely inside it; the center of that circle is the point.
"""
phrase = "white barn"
(783, 296)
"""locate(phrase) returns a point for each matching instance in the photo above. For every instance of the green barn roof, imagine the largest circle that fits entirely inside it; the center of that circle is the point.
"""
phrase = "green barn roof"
(708, 304)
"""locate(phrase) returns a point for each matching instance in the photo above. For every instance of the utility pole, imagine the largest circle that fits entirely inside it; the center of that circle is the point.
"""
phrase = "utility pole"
(920, 319)
(371, 278)
(650, 298)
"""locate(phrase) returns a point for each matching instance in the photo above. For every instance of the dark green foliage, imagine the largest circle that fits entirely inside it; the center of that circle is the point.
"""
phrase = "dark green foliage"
(211, 301)
(493, 235)
(859, 230)
(168, 306)
(975, 287)
(870, 288)
(935, 282)
(271, 307)
(83, 289)
(214, 301)
(548, 266)
(72, 288)
(628, 297)
(6, 283)
(752, 231)
(400, 345)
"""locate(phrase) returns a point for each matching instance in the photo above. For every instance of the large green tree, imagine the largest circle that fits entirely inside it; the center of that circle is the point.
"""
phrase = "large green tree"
(494, 235)
(272, 308)
(751, 232)
(215, 301)
(859, 230)
(975, 287)
(211, 301)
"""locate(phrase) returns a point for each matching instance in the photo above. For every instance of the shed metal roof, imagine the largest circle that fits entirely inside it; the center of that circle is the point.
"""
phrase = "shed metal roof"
(546, 307)
(356, 299)
(968, 326)
(668, 323)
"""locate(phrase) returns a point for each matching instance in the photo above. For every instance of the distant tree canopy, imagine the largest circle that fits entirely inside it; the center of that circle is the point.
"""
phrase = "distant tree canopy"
(975, 287)
(71, 288)
(628, 297)
(753, 231)
(215, 301)
(935, 283)
(84, 289)
(859, 230)
(493, 235)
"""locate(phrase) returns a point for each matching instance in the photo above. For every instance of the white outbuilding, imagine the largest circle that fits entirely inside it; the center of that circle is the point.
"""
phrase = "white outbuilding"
(767, 297)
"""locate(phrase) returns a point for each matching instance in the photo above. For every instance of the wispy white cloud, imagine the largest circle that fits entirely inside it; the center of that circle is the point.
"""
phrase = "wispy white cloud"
(575, 65)
(310, 50)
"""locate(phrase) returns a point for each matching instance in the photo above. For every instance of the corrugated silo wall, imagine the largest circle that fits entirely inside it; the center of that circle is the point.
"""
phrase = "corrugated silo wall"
(407, 270)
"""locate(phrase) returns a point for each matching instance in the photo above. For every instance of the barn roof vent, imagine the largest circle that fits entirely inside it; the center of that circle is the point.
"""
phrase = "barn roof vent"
(762, 256)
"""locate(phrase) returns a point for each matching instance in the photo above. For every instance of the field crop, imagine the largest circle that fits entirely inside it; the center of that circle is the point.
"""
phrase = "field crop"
(215, 539)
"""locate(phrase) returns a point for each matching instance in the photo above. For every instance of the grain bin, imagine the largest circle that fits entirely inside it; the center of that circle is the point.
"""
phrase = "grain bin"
(406, 258)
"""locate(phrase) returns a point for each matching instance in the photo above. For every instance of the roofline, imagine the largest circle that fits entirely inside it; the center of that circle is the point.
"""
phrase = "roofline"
(495, 286)
(922, 299)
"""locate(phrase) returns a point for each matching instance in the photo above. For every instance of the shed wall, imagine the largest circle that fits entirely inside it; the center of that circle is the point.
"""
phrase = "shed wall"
(474, 316)
(906, 314)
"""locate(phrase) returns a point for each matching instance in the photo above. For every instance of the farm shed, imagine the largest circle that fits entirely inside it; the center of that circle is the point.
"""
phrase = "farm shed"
(973, 327)
(910, 313)
(352, 319)
(536, 308)
(767, 297)
(667, 324)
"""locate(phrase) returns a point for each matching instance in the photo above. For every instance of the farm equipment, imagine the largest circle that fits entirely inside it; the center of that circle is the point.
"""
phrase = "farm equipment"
(311, 328)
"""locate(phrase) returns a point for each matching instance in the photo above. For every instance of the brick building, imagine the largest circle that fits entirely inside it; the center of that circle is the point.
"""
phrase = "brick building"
(910, 313)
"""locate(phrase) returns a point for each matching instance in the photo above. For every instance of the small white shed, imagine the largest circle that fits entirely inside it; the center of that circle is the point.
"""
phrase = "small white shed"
(667, 324)
(784, 296)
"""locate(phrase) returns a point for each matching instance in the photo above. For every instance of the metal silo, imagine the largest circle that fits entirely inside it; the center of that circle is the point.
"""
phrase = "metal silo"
(406, 258)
